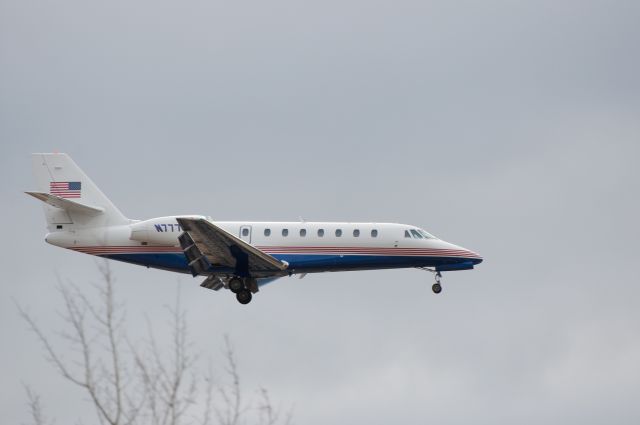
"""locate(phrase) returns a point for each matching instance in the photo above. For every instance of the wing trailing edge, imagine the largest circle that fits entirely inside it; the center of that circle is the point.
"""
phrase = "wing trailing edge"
(205, 243)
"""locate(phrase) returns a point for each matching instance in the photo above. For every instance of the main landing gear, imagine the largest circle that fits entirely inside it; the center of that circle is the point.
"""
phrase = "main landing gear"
(244, 296)
(236, 284)
(238, 287)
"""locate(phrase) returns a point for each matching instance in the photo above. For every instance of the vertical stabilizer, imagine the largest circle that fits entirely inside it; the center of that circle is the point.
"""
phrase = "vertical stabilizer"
(56, 174)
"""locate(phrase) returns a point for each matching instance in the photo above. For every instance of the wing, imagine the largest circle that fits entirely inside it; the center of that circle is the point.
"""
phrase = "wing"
(206, 244)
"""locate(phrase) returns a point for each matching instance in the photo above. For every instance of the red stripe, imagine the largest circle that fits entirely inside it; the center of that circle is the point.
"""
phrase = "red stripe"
(362, 249)
(367, 249)
(371, 252)
(413, 252)
(134, 248)
(95, 250)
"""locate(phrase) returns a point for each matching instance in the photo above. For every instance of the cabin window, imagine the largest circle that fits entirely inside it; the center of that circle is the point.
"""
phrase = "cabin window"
(338, 233)
(267, 232)
(245, 232)
(416, 234)
(407, 234)
(374, 233)
(285, 232)
(320, 233)
(356, 233)
(303, 233)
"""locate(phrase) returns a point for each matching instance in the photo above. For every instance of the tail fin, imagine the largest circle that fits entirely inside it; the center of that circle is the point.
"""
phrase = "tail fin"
(71, 198)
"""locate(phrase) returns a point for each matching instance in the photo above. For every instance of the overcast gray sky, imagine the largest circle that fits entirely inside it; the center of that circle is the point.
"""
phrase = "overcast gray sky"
(508, 127)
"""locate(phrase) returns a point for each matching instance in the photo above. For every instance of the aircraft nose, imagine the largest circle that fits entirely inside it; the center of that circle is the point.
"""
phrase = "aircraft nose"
(464, 253)
(472, 256)
(477, 260)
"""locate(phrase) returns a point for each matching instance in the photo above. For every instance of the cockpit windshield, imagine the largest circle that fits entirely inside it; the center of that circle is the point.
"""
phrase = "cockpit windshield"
(418, 234)
(426, 235)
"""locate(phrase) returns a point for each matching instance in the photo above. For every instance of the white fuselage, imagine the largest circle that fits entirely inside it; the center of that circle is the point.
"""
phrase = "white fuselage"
(305, 246)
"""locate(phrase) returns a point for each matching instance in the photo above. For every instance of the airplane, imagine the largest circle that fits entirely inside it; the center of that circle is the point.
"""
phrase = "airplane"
(240, 256)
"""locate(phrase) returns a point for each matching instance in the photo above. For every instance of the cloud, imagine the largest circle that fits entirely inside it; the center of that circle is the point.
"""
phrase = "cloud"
(507, 128)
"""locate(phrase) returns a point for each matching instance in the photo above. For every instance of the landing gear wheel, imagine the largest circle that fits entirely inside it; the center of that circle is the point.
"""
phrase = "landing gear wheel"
(236, 285)
(244, 296)
(437, 288)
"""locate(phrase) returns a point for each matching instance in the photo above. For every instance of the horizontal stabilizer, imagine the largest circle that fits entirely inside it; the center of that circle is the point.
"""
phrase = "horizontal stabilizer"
(66, 204)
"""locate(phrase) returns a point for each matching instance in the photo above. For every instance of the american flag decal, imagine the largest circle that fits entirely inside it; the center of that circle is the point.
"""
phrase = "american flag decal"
(65, 189)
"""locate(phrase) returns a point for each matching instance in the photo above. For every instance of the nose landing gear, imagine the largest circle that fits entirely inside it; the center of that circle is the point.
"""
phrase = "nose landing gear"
(437, 287)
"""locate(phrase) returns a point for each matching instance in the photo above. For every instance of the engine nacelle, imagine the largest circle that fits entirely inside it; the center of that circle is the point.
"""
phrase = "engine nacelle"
(158, 231)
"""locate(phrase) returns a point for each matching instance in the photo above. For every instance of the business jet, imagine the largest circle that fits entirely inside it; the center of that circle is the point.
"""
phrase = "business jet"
(239, 256)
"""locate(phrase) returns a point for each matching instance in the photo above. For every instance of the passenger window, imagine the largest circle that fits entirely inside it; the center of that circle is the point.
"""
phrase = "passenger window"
(245, 232)
(416, 234)
(338, 233)
(285, 232)
(356, 233)
(374, 233)
(267, 232)
(303, 232)
(407, 234)
(320, 232)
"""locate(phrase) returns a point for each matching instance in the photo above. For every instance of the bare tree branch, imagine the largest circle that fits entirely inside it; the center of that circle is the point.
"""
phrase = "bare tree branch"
(267, 413)
(35, 407)
(231, 395)
(206, 417)
(131, 384)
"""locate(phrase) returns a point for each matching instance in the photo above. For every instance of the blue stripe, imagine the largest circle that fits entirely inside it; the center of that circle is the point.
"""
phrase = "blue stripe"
(176, 261)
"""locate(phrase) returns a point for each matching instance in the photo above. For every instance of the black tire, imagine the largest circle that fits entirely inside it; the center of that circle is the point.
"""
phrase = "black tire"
(236, 285)
(436, 288)
(244, 296)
